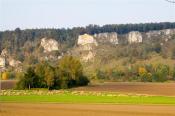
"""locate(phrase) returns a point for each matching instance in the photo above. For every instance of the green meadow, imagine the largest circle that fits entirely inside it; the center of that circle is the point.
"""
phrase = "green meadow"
(43, 96)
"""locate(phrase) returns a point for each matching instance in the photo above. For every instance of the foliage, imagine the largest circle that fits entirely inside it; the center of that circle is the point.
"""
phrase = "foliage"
(68, 73)
(49, 76)
(72, 72)
(143, 73)
(5, 76)
(27, 81)
(161, 73)
(173, 73)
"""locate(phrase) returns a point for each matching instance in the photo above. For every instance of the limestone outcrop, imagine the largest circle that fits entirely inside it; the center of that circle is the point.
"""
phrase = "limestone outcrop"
(111, 38)
(86, 39)
(49, 45)
(2, 62)
(168, 31)
(86, 44)
(134, 37)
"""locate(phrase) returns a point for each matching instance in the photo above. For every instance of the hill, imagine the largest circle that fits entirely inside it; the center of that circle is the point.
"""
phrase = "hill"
(112, 52)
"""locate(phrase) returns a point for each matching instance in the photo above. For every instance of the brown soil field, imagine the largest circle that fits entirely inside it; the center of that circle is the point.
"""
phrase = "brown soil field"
(23, 109)
(165, 89)
(7, 84)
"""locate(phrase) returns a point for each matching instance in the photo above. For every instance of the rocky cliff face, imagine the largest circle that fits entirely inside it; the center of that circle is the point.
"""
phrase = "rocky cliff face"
(134, 37)
(49, 45)
(2, 62)
(86, 42)
(86, 39)
(168, 31)
(86, 45)
(111, 38)
(162, 34)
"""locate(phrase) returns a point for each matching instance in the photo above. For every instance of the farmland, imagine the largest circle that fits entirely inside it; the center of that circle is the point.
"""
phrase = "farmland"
(48, 109)
(161, 89)
(110, 98)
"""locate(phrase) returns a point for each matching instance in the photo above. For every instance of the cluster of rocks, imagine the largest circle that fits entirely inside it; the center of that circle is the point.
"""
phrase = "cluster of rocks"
(7, 60)
(162, 34)
(88, 42)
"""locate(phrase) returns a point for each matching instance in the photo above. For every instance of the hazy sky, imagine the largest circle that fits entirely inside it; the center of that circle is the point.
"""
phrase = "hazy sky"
(70, 13)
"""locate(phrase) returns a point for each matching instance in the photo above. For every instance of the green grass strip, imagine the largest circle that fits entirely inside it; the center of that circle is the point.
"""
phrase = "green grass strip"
(69, 98)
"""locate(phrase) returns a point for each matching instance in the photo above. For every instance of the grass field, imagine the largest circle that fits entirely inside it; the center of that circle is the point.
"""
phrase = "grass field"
(34, 96)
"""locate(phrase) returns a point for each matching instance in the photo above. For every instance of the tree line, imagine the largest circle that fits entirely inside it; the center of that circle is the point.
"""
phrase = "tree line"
(67, 73)
(139, 73)
(16, 39)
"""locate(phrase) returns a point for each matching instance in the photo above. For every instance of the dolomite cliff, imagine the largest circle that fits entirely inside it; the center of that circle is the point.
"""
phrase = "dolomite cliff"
(134, 37)
(49, 45)
(111, 38)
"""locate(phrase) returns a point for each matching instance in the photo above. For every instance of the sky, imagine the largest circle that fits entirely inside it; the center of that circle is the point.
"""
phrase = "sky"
(27, 14)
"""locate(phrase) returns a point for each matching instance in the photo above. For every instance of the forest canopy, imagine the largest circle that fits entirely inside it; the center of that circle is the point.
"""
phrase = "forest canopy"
(16, 39)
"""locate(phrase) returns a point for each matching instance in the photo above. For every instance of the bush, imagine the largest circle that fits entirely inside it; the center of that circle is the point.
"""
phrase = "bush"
(5, 75)
(161, 73)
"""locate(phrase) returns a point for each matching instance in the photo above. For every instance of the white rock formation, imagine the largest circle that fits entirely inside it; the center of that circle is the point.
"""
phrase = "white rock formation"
(49, 45)
(134, 37)
(88, 57)
(165, 32)
(2, 62)
(153, 34)
(168, 31)
(107, 38)
(14, 63)
(86, 39)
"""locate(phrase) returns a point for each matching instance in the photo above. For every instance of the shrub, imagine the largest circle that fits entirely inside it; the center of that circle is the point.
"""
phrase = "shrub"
(161, 73)
(5, 75)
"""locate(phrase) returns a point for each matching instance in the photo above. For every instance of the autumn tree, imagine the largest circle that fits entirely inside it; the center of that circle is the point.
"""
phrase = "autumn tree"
(49, 76)
(72, 71)
(5, 76)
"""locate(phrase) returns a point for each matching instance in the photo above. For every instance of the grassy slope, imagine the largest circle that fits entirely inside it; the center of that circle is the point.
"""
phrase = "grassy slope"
(69, 98)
